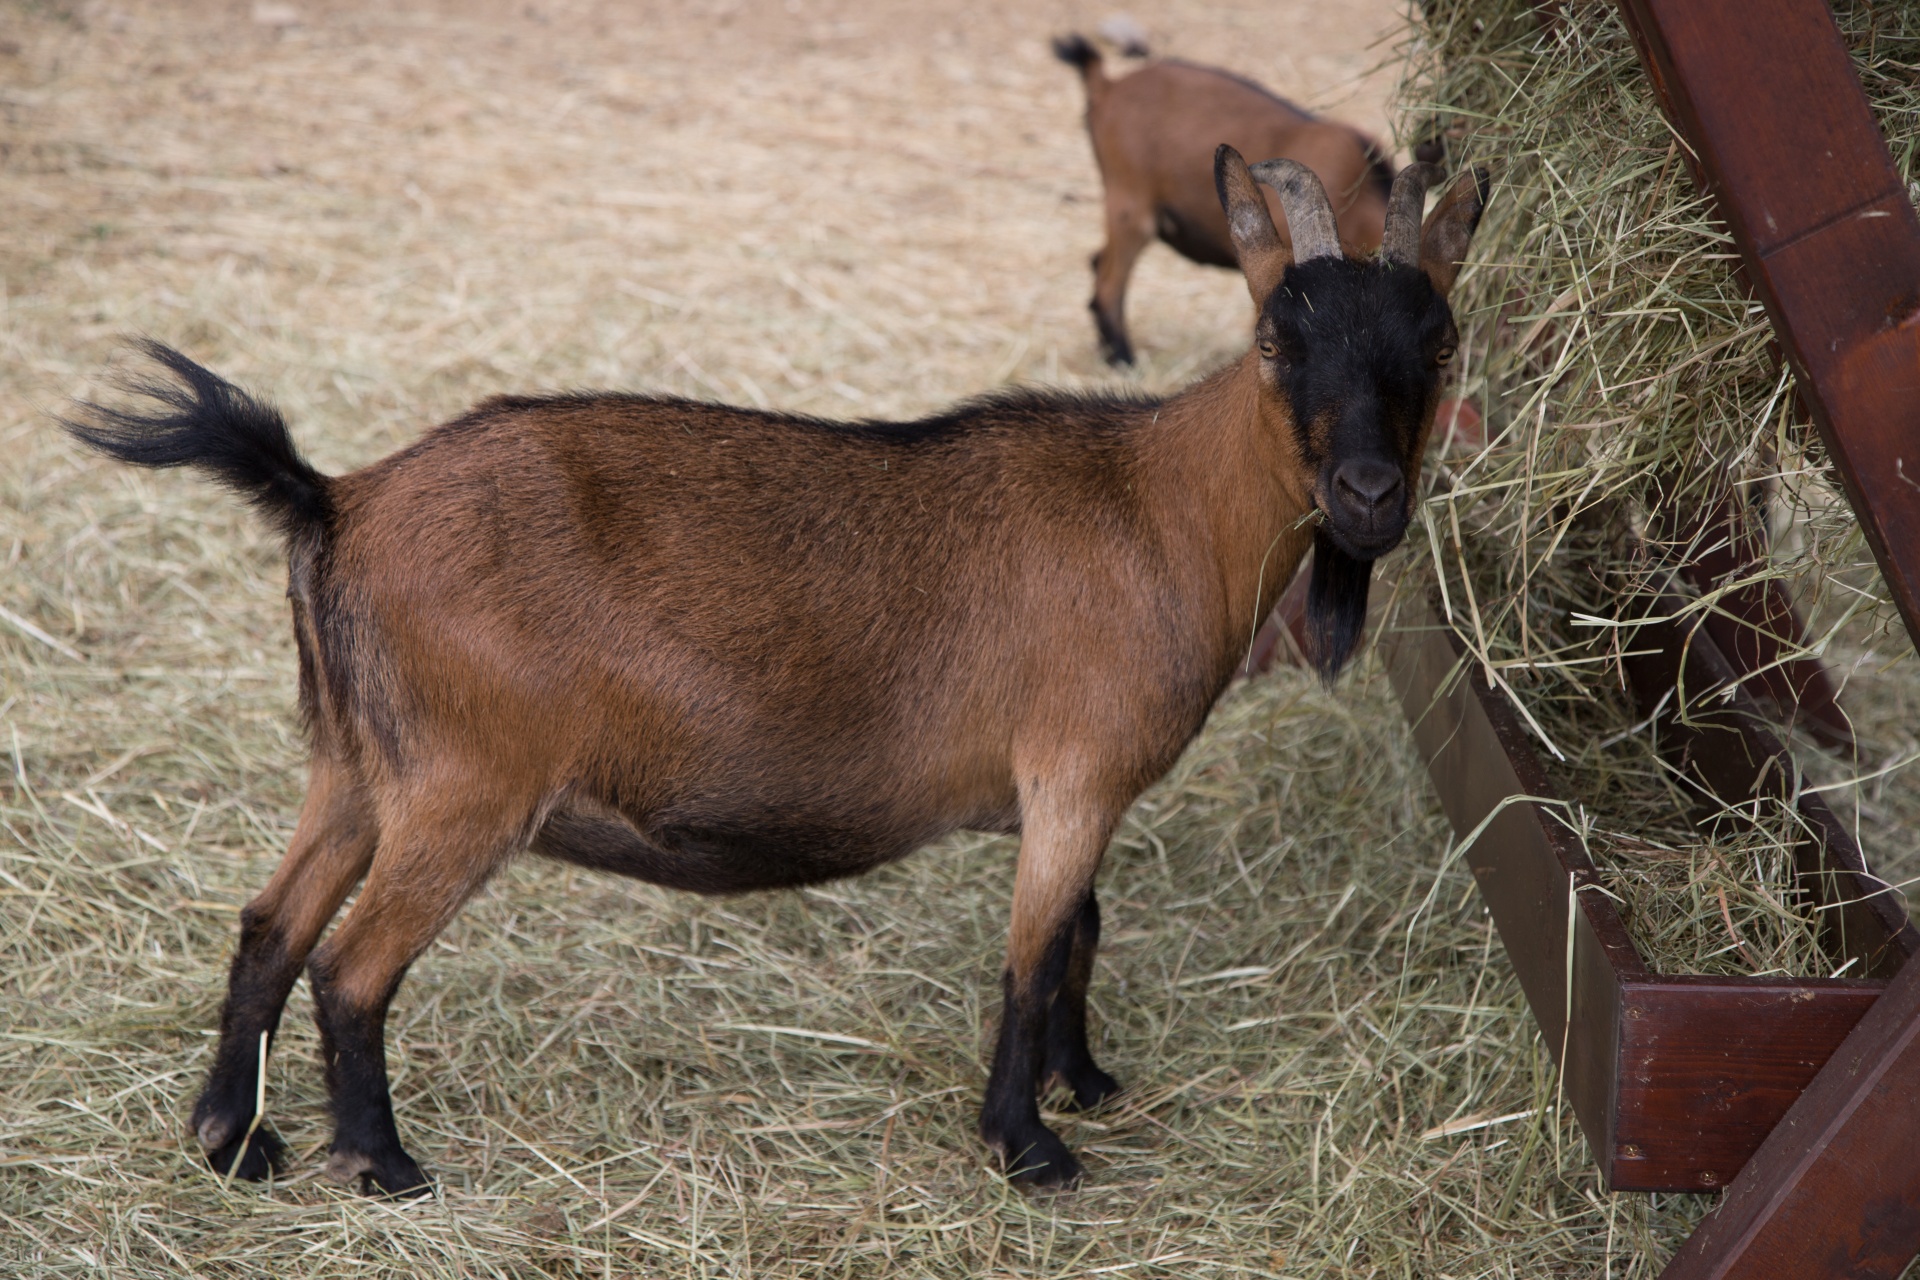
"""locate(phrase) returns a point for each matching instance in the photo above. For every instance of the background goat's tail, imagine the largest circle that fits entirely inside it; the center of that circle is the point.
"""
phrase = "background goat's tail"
(201, 420)
(1078, 52)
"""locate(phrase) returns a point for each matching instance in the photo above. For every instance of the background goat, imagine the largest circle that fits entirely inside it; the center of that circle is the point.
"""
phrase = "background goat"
(1153, 134)
(724, 650)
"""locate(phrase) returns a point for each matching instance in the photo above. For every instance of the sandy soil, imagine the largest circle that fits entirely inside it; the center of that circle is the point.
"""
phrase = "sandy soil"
(847, 208)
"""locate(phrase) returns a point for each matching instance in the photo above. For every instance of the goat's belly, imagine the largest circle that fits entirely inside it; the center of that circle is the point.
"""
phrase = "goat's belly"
(717, 856)
(1191, 238)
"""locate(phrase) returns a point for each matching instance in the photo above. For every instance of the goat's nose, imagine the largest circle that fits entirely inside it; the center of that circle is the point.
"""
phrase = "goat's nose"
(1367, 488)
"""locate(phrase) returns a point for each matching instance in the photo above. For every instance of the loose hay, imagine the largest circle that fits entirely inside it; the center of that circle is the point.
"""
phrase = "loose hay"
(376, 217)
(1627, 371)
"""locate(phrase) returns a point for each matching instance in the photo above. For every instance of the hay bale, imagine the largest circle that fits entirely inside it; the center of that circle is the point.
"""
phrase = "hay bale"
(1628, 374)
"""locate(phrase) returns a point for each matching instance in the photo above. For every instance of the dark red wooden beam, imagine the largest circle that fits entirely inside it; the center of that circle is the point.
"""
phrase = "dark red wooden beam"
(1765, 94)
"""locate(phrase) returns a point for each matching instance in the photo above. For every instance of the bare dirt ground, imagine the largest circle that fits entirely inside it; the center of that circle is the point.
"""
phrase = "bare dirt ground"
(376, 214)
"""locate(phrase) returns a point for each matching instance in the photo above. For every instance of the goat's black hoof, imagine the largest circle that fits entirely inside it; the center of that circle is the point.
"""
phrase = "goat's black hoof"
(394, 1175)
(249, 1159)
(1114, 346)
(1088, 1085)
(1037, 1159)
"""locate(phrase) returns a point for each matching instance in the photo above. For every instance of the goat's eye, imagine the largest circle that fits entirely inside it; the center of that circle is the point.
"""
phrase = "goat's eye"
(1270, 351)
(1443, 356)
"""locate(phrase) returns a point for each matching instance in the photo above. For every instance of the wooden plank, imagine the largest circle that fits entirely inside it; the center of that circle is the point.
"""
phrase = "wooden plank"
(1832, 1191)
(1709, 1065)
(1754, 622)
(1785, 140)
(1283, 636)
(1525, 861)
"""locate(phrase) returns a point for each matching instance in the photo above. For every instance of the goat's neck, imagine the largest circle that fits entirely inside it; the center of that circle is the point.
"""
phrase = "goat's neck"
(1231, 495)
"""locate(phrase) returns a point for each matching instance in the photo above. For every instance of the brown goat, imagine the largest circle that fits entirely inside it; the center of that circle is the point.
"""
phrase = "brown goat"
(723, 650)
(1154, 133)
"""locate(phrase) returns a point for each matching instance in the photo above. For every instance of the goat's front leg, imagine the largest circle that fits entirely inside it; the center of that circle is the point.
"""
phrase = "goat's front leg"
(1060, 852)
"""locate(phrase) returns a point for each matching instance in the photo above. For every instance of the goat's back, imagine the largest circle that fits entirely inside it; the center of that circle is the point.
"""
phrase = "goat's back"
(1154, 135)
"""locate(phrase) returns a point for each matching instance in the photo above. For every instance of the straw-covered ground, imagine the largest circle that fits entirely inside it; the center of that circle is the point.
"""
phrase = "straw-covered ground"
(1627, 372)
(378, 214)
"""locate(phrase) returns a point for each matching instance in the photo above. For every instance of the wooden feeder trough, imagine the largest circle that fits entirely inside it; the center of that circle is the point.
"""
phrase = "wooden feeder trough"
(1675, 1080)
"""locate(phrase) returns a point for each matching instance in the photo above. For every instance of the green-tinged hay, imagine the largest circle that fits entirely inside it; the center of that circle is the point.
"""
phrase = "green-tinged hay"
(1629, 379)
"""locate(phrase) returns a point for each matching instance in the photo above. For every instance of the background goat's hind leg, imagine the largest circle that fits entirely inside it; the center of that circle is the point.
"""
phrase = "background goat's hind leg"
(430, 861)
(329, 852)
(1068, 1061)
(1128, 233)
(1060, 851)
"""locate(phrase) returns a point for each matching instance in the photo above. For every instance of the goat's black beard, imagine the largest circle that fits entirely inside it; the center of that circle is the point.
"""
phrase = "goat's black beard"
(1336, 606)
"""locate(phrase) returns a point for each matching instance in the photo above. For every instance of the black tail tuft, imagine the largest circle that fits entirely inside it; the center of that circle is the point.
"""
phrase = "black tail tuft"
(1076, 51)
(1336, 606)
(201, 420)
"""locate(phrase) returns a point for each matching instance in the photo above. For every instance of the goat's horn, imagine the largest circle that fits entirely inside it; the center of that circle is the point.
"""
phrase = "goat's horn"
(1405, 203)
(1304, 201)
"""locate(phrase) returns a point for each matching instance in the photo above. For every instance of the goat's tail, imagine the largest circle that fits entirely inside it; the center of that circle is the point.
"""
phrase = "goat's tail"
(201, 420)
(1079, 52)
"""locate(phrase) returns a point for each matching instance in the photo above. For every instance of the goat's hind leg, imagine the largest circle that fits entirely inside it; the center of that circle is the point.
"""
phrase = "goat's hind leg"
(1128, 233)
(329, 852)
(1068, 1062)
(431, 858)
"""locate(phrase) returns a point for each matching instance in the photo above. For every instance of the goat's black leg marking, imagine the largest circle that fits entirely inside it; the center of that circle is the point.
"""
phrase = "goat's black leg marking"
(1068, 1061)
(1010, 1116)
(257, 986)
(366, 1143)
(1114, 344)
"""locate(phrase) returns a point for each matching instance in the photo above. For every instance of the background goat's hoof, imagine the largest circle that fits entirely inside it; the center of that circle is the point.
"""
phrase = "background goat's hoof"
(256, 1157)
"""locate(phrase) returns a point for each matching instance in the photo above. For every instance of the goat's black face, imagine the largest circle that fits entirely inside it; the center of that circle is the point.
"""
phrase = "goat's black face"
(1356, 350)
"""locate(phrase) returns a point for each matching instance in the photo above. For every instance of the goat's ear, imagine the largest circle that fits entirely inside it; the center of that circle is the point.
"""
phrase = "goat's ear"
(1263, 257)
(1449, 229)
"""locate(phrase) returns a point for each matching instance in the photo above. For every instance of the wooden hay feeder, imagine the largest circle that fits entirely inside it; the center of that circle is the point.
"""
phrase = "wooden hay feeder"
(1800, 1098)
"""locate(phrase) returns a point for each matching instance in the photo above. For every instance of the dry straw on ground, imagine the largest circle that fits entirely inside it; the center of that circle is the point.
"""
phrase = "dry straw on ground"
(377, 214)
(1627, 369)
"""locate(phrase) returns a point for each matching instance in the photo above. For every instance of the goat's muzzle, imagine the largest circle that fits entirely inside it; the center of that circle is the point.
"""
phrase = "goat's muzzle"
(1364, 501)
